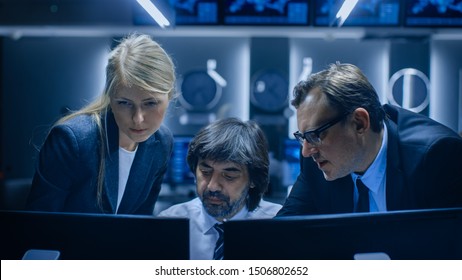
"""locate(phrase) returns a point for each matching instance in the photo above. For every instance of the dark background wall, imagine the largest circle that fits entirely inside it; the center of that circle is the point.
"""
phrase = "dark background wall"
(42, 78)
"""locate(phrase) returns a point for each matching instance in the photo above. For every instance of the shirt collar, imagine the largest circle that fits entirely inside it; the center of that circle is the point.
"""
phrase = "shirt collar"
(376, 172)
(208, 221)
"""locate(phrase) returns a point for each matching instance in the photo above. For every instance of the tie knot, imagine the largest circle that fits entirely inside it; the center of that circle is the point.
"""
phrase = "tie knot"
(219, 228)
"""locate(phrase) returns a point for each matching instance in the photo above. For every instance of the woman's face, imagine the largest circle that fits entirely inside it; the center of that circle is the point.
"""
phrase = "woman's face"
(138, 114)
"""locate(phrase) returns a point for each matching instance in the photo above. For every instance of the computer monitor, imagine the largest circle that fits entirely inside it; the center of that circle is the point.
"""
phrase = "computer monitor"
(433, 13)
(365, 13)
(414, 234)
(289, 12)
(94, 236)
(178, 172)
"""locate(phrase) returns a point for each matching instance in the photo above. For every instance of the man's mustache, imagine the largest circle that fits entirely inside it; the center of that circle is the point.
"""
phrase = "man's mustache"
(216, 194)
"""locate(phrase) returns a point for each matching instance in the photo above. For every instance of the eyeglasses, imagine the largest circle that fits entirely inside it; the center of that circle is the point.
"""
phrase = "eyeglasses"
(312, 136)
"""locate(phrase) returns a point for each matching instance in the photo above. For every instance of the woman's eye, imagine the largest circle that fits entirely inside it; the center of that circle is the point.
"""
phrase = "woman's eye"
(123, 103)
(150, 104)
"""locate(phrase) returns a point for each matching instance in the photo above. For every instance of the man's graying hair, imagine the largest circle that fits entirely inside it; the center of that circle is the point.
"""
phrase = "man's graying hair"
(346, 88)
(240, 142)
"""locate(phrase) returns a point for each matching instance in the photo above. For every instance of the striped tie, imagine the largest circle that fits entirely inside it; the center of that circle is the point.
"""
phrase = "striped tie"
(218, 253)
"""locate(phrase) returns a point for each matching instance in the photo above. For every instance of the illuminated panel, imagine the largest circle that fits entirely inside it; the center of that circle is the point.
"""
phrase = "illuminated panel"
(365, 13)
(433, 13)
(280, 12)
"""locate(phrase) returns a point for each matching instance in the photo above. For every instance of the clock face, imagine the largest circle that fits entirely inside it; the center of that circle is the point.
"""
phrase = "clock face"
(199, 92)
(269, 91)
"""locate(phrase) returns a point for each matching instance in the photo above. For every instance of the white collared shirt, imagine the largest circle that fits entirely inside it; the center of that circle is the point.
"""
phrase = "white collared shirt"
(375, 178)
(202, 235)
(125, 164)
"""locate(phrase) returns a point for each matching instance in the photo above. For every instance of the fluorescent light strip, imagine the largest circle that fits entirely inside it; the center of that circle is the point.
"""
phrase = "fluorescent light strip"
(154, 13)
(345, 10)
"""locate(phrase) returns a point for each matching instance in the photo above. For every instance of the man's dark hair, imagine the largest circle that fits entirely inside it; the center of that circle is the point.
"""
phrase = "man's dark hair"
(237, 141)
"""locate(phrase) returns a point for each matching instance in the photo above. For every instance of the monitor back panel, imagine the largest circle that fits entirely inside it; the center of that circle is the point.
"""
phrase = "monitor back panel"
(94, 236)
(419, 234)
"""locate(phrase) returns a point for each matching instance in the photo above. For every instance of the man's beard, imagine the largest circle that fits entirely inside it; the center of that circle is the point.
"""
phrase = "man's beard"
(225, 210)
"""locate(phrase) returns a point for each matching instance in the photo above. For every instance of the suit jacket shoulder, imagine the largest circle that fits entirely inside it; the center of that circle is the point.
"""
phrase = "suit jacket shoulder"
(423, 162)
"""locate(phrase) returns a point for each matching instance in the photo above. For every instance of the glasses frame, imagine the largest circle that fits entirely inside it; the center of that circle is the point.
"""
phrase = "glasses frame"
(312, 136)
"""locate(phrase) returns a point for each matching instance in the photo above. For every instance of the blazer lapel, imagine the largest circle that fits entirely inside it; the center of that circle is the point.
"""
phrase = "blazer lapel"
(140, 180)
(395, 177)
(111, 182)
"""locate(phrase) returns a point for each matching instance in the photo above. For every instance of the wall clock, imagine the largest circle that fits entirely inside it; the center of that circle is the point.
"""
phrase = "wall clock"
(269, 91)
(199, 92)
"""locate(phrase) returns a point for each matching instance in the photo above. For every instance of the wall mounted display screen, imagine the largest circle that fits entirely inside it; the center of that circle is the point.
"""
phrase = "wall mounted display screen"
(433, 13)
(270, 12)
(195, 12)
(181, 12)
(365, 13)
(178, 172)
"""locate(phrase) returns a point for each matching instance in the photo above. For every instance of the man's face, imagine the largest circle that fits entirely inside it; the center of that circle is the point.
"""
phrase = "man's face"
(340, 151)
(222, 187)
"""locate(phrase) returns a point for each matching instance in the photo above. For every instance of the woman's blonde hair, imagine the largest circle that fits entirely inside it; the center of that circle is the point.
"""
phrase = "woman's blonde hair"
(136, 61)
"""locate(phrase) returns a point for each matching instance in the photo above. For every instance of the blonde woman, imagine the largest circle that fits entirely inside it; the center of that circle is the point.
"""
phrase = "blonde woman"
(111, 156)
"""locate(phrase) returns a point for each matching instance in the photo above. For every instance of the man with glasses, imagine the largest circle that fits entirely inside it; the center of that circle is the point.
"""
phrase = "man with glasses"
(360, 156)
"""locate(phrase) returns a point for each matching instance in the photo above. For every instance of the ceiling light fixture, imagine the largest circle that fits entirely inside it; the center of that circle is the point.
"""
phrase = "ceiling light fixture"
(154, 12)
(345, 11)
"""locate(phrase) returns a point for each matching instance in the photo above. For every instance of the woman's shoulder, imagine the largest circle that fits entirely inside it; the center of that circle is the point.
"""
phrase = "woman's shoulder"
(164, 136)
(72, 139)
(83, 121)
(164, 133)
(81, 126)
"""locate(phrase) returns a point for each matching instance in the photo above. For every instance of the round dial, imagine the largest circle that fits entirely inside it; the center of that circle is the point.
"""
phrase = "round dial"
(199, 92)
(269, 91)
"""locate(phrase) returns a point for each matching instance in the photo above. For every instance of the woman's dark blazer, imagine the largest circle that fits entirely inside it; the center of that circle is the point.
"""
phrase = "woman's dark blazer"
(67, 170)
(424, 170)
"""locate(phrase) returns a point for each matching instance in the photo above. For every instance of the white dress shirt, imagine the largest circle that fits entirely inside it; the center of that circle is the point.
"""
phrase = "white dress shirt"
(202, 235)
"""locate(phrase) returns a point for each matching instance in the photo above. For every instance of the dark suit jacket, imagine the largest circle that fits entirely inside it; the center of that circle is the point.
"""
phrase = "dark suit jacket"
(68, 164)
(424, 170)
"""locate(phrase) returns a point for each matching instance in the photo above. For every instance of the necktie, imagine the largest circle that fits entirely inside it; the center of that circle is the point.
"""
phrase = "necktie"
(218, 252)
(363, 200)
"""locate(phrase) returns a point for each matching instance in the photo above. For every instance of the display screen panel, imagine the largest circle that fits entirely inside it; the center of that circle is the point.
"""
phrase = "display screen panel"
(433, 13)
(270, 12)
(365, 13)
